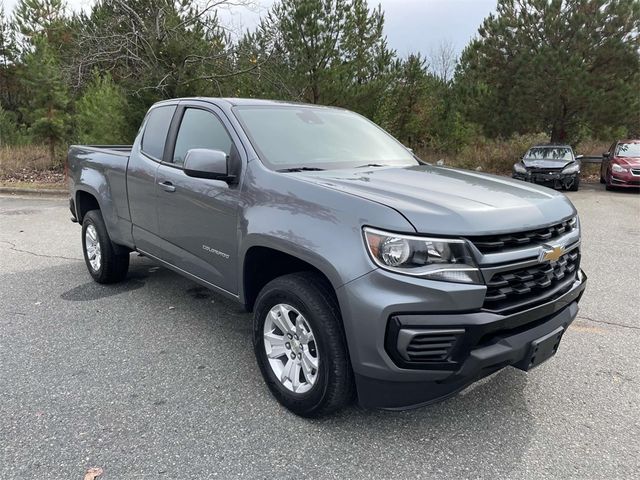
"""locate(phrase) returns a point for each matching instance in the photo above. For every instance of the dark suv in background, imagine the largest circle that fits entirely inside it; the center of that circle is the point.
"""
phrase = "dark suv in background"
(554, 166)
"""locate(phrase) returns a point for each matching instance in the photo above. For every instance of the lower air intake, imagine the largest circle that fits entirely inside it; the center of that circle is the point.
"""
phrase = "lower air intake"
(427, 346)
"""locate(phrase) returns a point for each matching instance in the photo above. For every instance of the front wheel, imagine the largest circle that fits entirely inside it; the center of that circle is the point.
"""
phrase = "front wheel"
(575, 185)
(105, 263)
(300, 346)
(608, 183)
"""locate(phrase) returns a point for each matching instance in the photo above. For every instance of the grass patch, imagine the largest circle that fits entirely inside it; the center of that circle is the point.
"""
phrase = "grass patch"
(29, 166)
(31, 157)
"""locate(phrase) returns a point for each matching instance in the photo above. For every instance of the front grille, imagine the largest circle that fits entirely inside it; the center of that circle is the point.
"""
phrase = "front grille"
(494, 243)
(531, 285)
(543, 170)
(635, 171)
(432, 346)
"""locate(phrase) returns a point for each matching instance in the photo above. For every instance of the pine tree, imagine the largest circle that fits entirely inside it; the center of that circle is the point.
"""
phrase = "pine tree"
(367, 63)
(310, 33)
(406, 105)
(333, 51)
(8, 57)
(46, 110)
(101, 113)
(555, 65)
(41, 19)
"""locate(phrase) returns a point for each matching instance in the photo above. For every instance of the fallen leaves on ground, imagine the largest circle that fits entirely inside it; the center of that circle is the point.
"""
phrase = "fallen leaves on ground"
(93, 473)
(33, 175)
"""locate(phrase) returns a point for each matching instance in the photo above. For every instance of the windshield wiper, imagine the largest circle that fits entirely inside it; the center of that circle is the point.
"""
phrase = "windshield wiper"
(301, 169)
(371, 165)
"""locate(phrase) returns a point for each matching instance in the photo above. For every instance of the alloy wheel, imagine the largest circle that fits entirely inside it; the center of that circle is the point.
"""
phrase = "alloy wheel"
(291, 348)
(92, 245)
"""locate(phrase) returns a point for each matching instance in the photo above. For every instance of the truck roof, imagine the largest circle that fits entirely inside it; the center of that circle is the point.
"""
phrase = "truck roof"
(233, 101)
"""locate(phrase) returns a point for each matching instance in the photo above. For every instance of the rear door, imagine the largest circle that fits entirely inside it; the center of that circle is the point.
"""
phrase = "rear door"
(198, 217)
(144, 160)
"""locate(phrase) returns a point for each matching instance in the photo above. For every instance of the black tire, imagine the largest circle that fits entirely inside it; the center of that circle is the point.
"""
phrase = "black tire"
(575, 185)
(608, 186)
(313, 297)
(114, 259)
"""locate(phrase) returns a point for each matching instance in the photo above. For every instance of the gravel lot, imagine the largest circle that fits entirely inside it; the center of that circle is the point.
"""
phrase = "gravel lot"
(155, 378)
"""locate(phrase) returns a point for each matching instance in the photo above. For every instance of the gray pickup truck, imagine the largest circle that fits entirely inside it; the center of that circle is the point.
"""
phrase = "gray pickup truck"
(370, 274)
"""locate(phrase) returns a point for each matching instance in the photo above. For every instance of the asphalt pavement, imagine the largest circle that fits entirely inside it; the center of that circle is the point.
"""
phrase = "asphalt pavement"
(155, 377)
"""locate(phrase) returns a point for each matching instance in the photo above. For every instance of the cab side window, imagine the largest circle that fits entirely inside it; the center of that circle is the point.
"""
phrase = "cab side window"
(200, 129)
(155, 131)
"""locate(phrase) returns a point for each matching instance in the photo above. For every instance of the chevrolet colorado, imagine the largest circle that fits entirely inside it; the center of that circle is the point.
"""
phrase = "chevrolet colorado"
(370, 274)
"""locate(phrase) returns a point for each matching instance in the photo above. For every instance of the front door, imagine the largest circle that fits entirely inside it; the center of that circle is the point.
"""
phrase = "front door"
(197, 217)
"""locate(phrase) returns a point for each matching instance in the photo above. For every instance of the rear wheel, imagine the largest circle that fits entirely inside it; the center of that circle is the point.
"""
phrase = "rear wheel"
(106, 262)
(300, 345)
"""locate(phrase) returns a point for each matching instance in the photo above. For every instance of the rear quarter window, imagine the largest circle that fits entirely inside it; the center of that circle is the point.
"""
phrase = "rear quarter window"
(155, 131)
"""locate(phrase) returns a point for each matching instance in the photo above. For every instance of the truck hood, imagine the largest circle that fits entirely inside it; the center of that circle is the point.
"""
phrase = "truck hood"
(537, 163)
(446, 201)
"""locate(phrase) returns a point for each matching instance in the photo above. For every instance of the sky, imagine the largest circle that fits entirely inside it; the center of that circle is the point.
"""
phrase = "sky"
(410, 25)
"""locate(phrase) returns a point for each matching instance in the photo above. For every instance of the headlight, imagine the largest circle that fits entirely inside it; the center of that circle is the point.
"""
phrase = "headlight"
(575, 223)
(573, 168)
(519, 168)
(434, 258)
(617, 168)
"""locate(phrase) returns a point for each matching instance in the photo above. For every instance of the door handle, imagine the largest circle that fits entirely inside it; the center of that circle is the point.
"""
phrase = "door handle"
(167, 186)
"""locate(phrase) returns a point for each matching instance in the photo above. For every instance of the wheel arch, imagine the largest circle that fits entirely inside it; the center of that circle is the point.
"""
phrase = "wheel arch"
(84, 202)
(262, 263)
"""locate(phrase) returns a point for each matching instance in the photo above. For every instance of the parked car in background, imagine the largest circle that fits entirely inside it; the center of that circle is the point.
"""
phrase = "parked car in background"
(621, 165)
(554, 166)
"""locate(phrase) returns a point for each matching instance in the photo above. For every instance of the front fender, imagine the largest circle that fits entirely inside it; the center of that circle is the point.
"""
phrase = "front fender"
(285, 244)
(311, 222)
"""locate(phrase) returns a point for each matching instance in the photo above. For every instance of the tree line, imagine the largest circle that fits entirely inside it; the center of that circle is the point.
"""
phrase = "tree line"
(569, 68)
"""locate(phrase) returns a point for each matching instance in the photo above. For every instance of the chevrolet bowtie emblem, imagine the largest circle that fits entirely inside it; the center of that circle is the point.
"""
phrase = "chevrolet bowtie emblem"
(550, 254)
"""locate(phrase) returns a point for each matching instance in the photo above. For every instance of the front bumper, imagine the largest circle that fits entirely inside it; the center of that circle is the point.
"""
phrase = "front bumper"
(624, 180)
(379, 303)
(549, 179)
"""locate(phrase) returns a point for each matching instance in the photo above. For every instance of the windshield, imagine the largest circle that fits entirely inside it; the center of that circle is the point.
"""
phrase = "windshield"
(628, 150)
(549, 153)
(290, 137)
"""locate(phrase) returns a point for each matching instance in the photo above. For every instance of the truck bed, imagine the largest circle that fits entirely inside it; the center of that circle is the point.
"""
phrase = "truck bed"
(116, 149)
(101, 170)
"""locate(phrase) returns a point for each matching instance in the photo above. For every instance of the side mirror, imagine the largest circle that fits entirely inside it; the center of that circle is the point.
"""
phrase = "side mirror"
(205, 163)
(605, 155)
